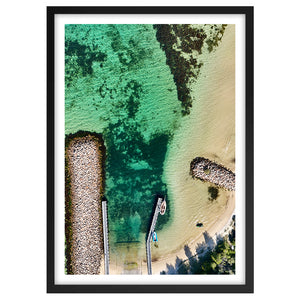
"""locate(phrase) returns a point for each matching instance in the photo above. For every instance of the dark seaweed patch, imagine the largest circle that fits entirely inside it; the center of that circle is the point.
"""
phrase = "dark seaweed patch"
(126, 147)
(134, 91)
(80, 58)
(216, 38)
(182, 69)
(130, 56)
(213, 193)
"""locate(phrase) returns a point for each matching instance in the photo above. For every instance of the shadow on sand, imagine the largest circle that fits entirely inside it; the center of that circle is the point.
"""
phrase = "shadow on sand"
(208, 258)
(181, 266)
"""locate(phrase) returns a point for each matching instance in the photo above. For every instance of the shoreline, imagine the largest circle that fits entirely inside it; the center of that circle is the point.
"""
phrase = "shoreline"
(204, 247)
(218, 229)
(85, 156)
(212, 137)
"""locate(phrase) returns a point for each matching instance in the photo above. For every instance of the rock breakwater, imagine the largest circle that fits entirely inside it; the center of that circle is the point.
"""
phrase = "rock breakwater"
(84, 154)
(209, 171)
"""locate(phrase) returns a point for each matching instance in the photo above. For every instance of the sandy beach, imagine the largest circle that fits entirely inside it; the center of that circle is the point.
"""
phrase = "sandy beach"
(84, 166)
(209, 132)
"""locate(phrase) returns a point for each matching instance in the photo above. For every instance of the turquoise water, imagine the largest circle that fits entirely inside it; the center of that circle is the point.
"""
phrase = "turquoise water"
(117, 83)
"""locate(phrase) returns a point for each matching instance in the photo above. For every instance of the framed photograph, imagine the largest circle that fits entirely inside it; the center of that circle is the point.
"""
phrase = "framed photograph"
(150, 149)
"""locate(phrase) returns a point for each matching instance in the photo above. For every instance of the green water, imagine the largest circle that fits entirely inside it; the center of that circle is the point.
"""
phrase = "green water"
(117, 83)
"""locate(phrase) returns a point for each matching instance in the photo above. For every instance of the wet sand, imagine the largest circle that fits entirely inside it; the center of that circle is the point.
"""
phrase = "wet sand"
(84, 166)
(209, 132)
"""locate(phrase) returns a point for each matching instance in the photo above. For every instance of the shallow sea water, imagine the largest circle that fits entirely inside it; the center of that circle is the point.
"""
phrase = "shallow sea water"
(123, 89)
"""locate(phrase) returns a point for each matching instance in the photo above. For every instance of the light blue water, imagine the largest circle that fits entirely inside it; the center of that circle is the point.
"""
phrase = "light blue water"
(118, 84)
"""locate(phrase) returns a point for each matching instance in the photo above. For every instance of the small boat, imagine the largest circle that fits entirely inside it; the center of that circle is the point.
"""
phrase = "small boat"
(154, 237)
(163, 207)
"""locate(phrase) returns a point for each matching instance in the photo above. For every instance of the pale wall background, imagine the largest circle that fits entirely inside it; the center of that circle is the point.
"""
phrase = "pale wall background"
(23, 148)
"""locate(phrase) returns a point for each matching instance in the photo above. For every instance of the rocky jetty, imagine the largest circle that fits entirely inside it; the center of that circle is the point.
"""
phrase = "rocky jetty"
(209, 171)
(84, 190)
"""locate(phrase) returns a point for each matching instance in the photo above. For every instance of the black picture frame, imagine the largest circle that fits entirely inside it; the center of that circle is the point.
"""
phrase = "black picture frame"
(248, 287)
